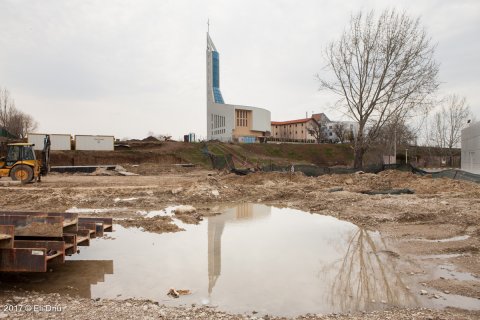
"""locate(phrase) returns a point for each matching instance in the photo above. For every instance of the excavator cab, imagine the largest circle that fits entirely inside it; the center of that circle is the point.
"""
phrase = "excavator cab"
(21, 163)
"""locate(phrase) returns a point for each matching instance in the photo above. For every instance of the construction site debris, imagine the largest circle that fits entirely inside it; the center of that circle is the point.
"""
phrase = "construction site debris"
(184, 209)
(184, 292)
(389, 191)
(335, 189)
(155, 224)
(188, 214)
(173, 293)
(177, 293)
(126, 173)
(185, 165)
(101, 171)
(177, 190)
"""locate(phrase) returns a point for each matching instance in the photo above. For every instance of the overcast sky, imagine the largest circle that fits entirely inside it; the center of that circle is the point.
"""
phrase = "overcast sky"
(129, 67)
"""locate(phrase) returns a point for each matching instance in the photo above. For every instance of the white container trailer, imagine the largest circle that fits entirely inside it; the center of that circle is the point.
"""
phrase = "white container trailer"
(37, 140)
(471, 148)
(57, 141)
(96, 143)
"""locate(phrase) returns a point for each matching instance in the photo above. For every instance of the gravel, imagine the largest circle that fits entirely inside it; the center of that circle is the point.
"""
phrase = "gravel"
(55, 306)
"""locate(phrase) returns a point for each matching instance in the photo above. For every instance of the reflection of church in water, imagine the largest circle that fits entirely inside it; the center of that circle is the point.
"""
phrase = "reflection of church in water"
(216, 224)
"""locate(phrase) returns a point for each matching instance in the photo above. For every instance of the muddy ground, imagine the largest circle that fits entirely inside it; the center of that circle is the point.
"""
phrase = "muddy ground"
(415, 225)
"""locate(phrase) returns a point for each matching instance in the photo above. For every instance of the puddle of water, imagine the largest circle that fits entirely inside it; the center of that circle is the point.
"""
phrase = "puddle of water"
(440, 256)
(251, 257)
(155, 213)
(438, 267)
(457, 238)
(167, 212)
(449, 272)
(448, 300)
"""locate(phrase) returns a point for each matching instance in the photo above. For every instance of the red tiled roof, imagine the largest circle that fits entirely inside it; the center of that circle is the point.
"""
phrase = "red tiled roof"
(291, 121)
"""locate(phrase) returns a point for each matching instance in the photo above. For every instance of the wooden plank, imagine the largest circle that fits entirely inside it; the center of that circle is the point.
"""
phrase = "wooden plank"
(23, 260)
(34, 226)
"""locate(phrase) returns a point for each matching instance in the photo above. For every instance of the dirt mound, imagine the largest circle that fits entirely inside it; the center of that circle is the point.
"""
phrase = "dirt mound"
(155, 224)
(415, 217)
(260, 178)
(150, 139)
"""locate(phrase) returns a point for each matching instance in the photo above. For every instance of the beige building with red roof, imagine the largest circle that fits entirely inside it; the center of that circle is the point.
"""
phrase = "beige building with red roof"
(293, 130)
(297, 130)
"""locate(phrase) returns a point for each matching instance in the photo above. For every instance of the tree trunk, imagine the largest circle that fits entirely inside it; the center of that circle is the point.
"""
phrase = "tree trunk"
(450, 156)
(358, 157)
(359, 149)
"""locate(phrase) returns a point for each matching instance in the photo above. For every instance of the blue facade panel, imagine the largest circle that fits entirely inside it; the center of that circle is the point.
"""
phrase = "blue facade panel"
(217, 94)
(216, 69)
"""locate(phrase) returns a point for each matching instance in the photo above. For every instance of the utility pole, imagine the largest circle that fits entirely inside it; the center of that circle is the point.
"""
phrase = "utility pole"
(395, 144)
(406, 156)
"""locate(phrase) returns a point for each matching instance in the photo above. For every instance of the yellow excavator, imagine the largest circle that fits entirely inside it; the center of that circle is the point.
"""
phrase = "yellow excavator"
(21, 163)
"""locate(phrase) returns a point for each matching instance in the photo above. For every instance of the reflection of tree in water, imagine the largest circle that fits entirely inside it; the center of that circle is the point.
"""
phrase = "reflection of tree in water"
(366, 276)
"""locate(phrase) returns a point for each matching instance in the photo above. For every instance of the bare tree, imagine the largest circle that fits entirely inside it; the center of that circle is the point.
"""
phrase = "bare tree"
(381, 69)
(342, 131)
(16, 122)
(449, 122)
(350, 136)
(315, 129)
(395, 132)
(6, 104)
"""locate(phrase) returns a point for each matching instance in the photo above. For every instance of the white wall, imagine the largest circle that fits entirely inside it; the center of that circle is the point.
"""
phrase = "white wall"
(224, 110)
(94, 143)
(261, 118)
(348, 124)
(471, 148)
